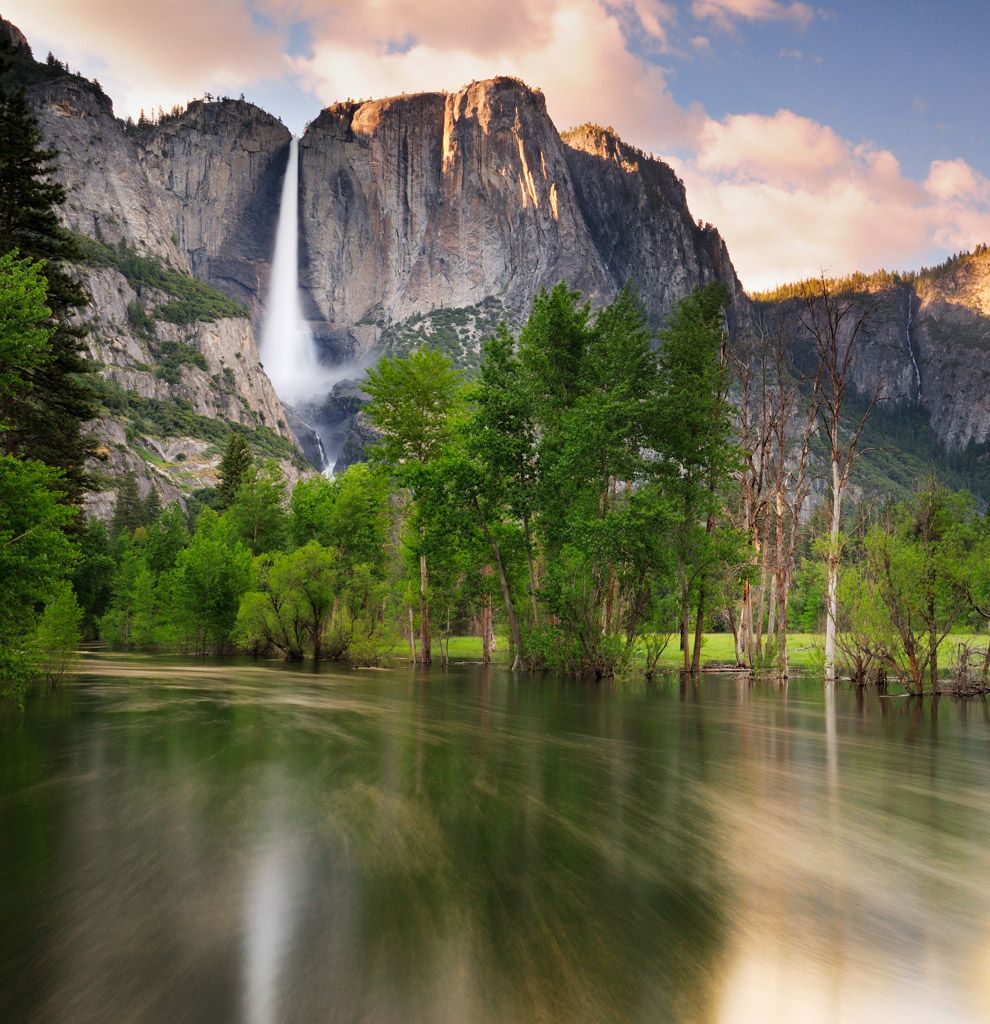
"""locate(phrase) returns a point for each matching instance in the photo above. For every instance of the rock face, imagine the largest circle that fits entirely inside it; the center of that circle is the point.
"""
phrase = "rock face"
(217, 171)
(925, 344)
(468, 199)
(199, 190)
(192, 194)
(636, 212)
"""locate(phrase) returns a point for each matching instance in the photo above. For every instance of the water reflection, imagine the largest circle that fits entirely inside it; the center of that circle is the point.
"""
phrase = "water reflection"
(254, 845)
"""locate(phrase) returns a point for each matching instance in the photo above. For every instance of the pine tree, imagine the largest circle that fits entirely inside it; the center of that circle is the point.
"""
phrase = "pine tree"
(47, 421)
(233, 467)
(127, 514)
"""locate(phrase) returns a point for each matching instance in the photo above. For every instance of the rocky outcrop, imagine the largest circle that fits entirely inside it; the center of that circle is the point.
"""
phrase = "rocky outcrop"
(171, 392)
(415, 203)
(192, 193)
(199, 189)
(12, 39)
(636, 211)
(454, 201)
(925, 343)
(217, 170)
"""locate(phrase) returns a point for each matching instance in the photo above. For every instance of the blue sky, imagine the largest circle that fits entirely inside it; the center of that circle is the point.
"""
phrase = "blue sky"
(830, 137)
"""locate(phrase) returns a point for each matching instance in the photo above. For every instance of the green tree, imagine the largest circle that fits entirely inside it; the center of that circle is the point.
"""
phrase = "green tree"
(58, 634)
(694, 445)
(411, 402)
(35, 557)
(45, 423)
(93, 576)
(294, 600)
(233, 467)
(917, 568)
(128, 512)
(24, 329)
(258, 513)
(211, 576)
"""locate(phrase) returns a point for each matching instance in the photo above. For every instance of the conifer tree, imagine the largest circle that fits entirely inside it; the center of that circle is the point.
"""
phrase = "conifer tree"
(233, 467)
(47, 420)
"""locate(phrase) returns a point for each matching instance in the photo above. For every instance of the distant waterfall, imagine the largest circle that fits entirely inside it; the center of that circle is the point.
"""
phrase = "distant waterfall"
(910, 346)
(287, 347)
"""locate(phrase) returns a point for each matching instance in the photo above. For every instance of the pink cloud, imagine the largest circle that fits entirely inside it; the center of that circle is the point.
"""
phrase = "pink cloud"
(148, 54)
(725, 13)
(792, 198)
(579, 58)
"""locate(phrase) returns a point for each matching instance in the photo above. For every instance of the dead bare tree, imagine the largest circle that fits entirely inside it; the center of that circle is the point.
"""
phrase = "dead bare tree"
(835, 323)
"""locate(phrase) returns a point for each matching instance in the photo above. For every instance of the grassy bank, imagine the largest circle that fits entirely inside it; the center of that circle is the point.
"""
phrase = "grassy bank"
(804, 650)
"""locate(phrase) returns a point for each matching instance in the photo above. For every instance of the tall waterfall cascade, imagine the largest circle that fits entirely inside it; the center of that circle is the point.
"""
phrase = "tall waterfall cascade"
(288, 350)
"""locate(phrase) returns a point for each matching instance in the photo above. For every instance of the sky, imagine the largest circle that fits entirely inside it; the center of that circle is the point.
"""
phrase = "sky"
(817, 138)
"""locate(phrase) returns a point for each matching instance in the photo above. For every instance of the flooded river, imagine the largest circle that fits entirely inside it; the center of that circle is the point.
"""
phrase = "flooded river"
(249, 844)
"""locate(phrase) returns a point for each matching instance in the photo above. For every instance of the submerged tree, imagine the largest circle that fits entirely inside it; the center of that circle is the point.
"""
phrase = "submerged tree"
(696, 446)
(835, 324)
(918, 570)
(411, 400)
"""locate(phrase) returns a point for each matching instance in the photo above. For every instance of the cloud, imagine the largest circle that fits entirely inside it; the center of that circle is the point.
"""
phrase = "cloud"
(148, 54)
(725, 13)
(791, 55)
(577, 53)
(792, 198)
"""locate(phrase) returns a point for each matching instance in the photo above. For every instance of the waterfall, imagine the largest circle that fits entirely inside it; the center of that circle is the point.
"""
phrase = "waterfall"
(287, 347)
(910, 347)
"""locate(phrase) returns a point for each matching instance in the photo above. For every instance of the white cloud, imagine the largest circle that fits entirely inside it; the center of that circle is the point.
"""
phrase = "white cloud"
(792, 198)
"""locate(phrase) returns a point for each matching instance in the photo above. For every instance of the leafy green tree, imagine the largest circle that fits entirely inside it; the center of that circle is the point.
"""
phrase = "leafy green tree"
(258, 513)
(411, 402)
(234, 464)
(166, 537)
(93, 575)
(694, 443)
(916, 570)
(24, 329)
(295, 598)
(211, 576)
(45, 423)
(35, 557)
(128, 512)
(58, 634)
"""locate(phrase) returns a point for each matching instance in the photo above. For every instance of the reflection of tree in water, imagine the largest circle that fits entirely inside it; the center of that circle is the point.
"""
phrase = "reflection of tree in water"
(467, 848)
(548, 865)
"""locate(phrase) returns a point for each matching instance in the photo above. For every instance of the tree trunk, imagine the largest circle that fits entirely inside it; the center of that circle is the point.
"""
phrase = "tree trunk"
(832, 574)
(412, 637)
(685, 623)
(426, 653)
(699, 624)
(533, 587)
(510, 611)
(486, 630)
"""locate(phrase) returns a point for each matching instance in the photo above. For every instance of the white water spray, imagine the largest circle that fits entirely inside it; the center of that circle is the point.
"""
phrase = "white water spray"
(287, 347)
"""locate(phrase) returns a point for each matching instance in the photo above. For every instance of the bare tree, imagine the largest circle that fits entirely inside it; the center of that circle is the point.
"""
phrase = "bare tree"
(835, 323)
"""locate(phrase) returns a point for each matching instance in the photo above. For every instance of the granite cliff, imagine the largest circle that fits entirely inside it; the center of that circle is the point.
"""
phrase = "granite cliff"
(453, 210)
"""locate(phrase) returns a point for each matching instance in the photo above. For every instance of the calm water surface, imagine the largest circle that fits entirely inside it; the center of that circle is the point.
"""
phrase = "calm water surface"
(246, 844)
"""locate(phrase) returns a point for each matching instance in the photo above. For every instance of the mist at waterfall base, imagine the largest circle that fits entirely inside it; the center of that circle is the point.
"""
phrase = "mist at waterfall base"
(288, 349)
